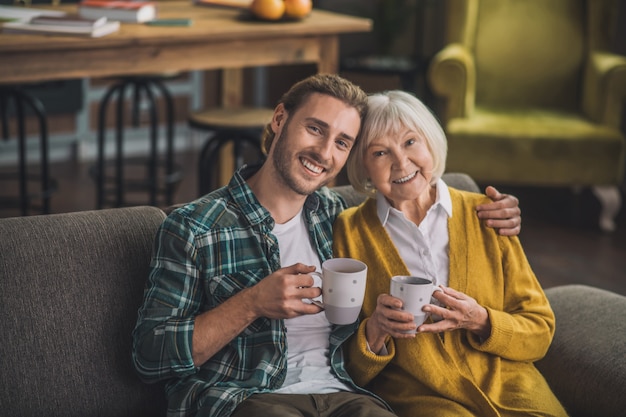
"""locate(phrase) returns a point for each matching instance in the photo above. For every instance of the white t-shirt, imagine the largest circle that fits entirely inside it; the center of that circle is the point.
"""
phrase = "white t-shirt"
(308, 364)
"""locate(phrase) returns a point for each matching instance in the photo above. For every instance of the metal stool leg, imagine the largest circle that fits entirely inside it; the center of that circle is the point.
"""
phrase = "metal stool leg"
(20, 100)
(143, 90)
(119, 146)
(210, 153)
(152, 180)
(40, 113)
(171, 177)
(23, 168)
(100, 173)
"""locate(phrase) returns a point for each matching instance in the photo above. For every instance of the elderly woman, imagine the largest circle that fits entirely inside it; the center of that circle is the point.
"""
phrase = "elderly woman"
(492, 318)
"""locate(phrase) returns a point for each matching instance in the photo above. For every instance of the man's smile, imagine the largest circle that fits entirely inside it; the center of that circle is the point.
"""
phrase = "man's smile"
(314, 168)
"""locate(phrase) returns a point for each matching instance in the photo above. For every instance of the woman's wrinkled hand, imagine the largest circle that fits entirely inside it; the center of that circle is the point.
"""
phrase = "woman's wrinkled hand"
(388, 320)
(458, 311)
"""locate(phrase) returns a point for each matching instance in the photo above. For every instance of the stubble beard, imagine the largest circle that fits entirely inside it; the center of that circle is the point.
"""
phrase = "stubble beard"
(283, 161)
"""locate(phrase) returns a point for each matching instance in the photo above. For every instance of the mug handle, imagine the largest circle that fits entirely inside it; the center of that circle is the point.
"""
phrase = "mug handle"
(315, 302)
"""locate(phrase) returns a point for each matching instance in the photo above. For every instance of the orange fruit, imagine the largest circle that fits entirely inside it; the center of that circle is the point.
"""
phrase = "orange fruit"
(298, 8)
(268, 9)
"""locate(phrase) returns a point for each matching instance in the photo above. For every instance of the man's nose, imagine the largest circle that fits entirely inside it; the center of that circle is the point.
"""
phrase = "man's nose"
(325, 149)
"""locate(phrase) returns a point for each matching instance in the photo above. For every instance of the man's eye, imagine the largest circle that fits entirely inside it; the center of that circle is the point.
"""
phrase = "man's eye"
(343, 144)
(315, 129)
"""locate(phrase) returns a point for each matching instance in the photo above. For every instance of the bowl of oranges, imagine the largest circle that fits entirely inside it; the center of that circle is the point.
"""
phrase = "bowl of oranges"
(280, 10)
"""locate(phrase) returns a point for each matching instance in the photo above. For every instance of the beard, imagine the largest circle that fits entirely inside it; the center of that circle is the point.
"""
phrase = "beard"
(283, 161)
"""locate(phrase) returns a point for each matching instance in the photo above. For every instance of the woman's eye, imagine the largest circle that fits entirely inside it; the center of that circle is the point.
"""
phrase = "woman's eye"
(410, 142)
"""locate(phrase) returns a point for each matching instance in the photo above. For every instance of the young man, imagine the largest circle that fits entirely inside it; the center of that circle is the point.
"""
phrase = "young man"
(224, 318)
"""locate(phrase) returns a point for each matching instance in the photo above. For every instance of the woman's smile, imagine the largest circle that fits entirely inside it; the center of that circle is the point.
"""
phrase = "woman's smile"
(406, 178)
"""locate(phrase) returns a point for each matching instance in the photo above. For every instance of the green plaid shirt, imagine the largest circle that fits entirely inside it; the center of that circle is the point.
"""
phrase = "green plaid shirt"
(204, 253)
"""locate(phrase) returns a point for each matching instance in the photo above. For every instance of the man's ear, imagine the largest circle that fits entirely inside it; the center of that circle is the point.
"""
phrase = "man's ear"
(280, 115)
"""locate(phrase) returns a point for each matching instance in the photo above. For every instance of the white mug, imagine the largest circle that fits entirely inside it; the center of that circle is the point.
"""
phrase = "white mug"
(343, 289)
(415, 293)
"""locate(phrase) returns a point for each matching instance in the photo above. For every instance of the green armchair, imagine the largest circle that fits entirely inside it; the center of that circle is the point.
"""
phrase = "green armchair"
(532, 95)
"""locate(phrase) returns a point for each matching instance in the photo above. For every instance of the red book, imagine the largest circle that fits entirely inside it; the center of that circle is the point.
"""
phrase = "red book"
(124, 11)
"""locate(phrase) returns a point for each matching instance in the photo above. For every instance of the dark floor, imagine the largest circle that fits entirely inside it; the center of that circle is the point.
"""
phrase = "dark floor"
(563, 242)
(559, 231)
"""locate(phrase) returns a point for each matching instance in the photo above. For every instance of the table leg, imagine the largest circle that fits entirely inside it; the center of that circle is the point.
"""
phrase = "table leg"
(329, 55)
(232, 96)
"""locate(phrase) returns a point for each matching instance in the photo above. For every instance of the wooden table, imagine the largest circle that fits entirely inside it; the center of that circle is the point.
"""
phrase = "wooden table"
(219, 38)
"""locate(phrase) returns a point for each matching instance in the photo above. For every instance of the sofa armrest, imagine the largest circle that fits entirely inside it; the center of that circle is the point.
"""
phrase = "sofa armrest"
(71, 287)
(605, 88)
(451, 74)
(586, 363)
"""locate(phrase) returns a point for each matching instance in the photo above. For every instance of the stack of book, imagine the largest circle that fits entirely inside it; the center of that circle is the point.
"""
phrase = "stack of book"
(122, 10)
(18, 13)
(67, 24)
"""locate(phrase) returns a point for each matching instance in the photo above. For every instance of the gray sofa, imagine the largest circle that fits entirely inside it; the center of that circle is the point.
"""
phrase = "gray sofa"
(70, 286)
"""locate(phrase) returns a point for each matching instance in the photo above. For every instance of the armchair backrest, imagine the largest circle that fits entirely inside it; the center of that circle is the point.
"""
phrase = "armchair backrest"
(532, 52)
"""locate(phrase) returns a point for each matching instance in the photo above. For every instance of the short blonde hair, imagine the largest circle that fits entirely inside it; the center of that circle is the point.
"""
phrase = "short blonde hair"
(388, 113)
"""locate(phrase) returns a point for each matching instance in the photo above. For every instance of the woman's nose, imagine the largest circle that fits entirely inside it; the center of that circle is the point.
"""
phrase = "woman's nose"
(400, 159)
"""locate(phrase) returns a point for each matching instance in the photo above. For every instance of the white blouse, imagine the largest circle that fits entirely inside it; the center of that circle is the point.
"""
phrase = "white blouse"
(423, 248)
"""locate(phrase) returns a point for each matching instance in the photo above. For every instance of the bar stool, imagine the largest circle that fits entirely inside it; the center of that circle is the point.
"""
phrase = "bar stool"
(239, 128)
(161, 175)
(16, 99)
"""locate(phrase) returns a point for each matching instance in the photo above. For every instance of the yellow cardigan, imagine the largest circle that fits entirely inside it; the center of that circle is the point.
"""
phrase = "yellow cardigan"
(453, 373)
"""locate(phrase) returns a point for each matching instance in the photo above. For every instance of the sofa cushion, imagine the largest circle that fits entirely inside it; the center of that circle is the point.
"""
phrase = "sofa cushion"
(586, 363)
(71, 287)
(556, 147)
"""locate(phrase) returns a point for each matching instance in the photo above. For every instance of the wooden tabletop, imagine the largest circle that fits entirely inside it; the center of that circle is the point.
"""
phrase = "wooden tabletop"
(218, 38)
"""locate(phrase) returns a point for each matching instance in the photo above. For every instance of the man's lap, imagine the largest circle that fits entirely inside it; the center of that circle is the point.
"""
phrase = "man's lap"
(340, 404)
